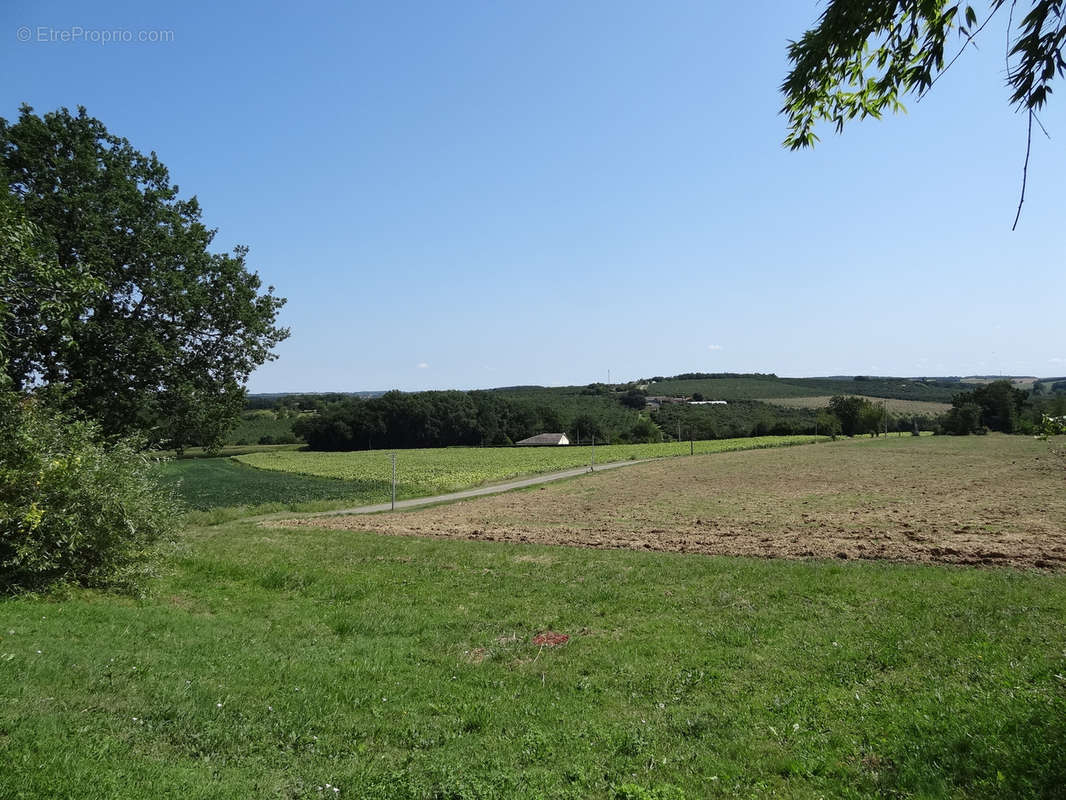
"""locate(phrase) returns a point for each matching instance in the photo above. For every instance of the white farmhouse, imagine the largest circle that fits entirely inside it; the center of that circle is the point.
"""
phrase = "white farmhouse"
(544, 440)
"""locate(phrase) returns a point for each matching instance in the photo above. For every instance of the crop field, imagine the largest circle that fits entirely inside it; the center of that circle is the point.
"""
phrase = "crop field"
(965, 500)
(206, 483)
(310, 662)
(755, 388)
(434, 471)
(895, 405)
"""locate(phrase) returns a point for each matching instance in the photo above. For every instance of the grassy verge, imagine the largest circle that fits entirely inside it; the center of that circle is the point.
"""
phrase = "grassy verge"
(269, 663)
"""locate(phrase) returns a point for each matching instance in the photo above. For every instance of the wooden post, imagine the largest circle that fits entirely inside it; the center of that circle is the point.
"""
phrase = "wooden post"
(393, 456)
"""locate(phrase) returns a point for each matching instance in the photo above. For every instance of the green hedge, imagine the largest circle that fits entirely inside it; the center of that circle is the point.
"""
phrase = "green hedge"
(74, 509)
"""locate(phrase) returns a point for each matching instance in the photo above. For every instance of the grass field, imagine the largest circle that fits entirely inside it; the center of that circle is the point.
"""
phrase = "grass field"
(895, 406)
(290, 663)
(434, 471)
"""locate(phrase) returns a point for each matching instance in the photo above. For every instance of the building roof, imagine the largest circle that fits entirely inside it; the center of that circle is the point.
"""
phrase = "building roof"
(546, 438)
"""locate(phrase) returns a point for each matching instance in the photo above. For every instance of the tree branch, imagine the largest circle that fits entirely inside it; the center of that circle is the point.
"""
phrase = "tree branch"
(1025, 170)
(969, 39)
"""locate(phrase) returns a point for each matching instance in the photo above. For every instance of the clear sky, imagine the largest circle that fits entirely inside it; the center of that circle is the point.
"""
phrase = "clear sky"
(462, 195)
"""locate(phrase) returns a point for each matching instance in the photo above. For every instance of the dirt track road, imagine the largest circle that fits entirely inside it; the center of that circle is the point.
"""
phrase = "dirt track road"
(479, 491)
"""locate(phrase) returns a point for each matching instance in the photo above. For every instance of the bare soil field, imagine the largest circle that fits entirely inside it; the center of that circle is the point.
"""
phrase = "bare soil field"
(993, 500)
(894, 406)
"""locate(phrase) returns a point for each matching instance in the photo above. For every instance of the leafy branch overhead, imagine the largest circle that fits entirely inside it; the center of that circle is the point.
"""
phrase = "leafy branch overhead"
(862, 57)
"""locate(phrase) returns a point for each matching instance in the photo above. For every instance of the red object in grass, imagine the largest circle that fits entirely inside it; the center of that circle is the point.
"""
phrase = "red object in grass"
(550, 639)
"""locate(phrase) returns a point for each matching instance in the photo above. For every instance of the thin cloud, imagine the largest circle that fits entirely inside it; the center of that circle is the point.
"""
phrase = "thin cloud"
(1057, 360)
(714, 347)
(422, 365)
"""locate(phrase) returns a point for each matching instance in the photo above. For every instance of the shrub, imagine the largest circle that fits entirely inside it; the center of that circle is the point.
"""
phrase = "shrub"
(1052, 426)
(963, 419)
(645, 431)
(74, 509)
(635, 399)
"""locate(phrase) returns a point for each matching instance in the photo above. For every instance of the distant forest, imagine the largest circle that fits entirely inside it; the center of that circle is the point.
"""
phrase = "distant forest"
(619, 413)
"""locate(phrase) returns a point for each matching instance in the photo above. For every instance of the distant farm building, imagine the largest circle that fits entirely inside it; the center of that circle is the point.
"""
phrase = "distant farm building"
(656, 401)
(544, 440)
(708, 403)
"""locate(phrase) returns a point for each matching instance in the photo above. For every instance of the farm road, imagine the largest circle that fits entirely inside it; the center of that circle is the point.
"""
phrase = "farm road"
(479, 491)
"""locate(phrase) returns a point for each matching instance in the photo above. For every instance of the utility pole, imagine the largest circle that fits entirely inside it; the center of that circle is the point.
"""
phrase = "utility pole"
(393, 457)
(592, 464)
(679, 430)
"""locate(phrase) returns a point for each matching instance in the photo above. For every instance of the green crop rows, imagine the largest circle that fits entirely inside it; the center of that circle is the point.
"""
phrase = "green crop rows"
(427, 472)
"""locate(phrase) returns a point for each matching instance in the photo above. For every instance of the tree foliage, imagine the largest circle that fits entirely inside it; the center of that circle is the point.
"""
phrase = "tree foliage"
(151, 330)
(861, 58)
(72, 508)
(644, 431)
(424, 419)
(963, 419)
(38, 300)
(996, 406)
(849, 410)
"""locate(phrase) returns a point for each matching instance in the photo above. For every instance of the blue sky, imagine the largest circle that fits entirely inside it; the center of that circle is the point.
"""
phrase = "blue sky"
(483, 194)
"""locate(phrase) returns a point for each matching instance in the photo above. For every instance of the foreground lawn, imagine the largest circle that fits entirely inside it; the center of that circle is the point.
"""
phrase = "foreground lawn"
(268, 663)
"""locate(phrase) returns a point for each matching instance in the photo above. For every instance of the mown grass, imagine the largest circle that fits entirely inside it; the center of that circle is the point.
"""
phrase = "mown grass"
(268, 663)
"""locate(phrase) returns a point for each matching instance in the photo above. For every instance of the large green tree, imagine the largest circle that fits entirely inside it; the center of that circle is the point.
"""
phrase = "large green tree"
(864, 55)
(999, 405)
(853, 413)
(166, 332)
(38, 299)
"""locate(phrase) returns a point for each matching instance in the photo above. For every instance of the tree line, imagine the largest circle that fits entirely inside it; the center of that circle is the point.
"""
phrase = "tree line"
(1001, 406)
(453, 418)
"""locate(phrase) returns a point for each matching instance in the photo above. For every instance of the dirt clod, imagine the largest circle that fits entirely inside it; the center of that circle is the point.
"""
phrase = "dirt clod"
(550, 639)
